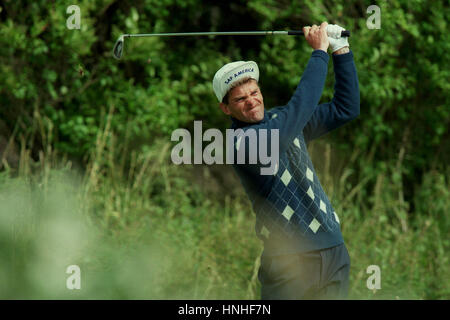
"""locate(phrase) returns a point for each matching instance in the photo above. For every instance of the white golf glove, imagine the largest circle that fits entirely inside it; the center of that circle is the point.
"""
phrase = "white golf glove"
(334, 37)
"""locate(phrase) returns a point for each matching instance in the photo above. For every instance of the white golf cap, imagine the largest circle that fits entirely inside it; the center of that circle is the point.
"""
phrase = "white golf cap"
(232, 72)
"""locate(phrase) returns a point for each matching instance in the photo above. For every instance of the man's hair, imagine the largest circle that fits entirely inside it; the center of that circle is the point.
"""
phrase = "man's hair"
(234, 85)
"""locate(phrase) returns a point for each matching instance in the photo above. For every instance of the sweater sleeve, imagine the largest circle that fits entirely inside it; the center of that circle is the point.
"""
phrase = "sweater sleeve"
(292, 118)
(344, 106)
(286, 123)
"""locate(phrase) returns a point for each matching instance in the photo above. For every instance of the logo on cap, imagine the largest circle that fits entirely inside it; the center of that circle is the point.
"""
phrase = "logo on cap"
(238, 74)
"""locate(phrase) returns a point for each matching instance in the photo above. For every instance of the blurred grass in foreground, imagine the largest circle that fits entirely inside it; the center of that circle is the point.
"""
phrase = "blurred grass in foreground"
(140, 227)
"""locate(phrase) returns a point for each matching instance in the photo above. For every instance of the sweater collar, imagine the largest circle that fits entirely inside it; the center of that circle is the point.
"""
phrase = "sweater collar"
(240, 124)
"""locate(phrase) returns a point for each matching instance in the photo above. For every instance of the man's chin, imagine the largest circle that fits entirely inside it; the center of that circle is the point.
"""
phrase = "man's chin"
(258, 119)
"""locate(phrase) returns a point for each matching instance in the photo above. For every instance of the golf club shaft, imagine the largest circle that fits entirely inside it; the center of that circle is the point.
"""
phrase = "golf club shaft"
(118, 47)
(232, 33)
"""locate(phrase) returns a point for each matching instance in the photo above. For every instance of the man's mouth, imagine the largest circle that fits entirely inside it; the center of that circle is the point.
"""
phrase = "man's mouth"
(254, 107)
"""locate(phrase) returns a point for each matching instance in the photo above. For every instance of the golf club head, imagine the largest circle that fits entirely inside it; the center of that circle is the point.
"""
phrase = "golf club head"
(118, 48)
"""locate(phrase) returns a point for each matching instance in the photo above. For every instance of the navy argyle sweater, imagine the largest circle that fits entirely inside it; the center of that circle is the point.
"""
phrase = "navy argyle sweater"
(293, 213)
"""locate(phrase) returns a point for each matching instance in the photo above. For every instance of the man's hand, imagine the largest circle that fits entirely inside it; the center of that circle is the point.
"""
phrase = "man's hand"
(338, 44)
(317, 37)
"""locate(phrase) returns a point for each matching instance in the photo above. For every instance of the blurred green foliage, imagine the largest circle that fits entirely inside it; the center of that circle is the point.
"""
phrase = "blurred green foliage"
(165, 83)
(388, 172)
(149, 232)
(71, 79)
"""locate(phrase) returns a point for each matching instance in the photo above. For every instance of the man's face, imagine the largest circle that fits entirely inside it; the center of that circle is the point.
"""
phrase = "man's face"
(245, 103)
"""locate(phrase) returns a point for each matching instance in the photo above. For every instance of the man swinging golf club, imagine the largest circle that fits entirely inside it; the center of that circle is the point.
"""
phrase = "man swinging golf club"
(304, 253)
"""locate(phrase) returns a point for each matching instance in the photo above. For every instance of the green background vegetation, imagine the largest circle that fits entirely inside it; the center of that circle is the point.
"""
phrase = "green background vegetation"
(85, 170)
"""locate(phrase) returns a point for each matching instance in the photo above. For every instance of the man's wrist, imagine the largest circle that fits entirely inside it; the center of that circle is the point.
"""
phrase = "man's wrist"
(322, 49)
(342, 51)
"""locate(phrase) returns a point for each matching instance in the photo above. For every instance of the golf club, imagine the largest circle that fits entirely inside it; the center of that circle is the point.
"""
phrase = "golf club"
(118, 47)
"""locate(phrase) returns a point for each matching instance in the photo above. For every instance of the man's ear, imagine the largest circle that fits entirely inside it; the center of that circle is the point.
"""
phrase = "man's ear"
(224, 108)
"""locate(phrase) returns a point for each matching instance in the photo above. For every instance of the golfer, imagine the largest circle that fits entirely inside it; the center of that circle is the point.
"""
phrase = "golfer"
(304, 254)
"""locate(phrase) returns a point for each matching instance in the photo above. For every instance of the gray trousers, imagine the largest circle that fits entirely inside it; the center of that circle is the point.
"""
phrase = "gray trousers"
(322, 274)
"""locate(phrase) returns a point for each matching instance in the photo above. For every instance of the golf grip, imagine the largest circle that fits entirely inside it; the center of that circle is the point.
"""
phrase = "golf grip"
(344, 33)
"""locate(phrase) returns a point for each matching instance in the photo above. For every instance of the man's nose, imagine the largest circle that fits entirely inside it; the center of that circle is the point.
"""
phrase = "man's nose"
(251, 101)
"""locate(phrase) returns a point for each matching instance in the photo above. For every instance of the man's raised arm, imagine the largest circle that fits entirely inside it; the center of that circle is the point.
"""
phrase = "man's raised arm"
(344, 106)
(304, 101)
